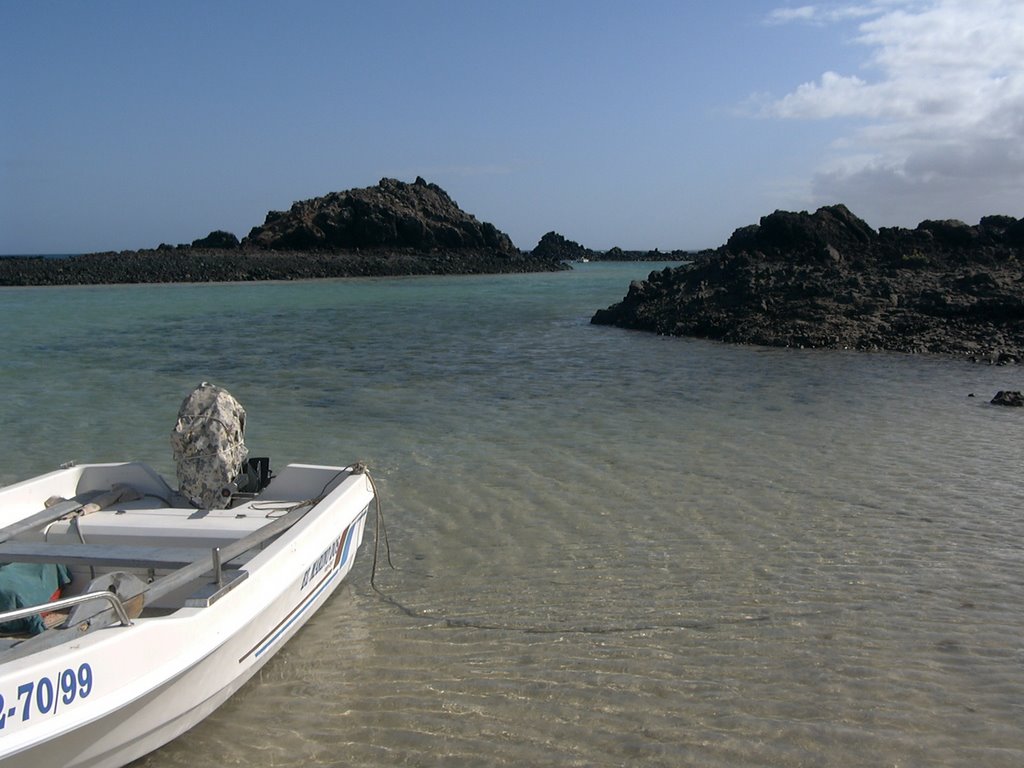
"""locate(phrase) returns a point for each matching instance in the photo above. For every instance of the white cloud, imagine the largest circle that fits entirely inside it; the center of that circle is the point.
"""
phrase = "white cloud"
(834, 96)
(784, 15)
(940, 104)
(821, 14)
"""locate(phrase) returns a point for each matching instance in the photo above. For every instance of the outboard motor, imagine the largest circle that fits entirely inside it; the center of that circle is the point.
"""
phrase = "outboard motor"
(209, 447)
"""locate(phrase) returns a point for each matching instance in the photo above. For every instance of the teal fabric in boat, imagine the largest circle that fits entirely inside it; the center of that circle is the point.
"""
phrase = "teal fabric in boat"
(26, 584)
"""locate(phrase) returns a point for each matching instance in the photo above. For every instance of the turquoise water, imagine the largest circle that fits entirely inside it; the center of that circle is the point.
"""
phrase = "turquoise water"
(612, 548)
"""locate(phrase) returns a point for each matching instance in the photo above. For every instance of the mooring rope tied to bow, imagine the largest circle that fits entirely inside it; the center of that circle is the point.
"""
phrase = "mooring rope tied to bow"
(460, 623)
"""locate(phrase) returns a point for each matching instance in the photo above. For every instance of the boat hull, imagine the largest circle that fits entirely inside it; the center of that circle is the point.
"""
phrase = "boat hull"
(123, 691)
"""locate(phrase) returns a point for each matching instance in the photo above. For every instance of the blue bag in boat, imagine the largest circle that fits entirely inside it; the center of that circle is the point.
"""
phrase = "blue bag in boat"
(26, 584)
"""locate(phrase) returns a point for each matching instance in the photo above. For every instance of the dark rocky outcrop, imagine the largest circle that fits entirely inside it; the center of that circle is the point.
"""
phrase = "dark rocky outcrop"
(217, 239)
(554, 246)
(828, 280)
(393, 214)
(393, 228)
(1008, 397)
(618, 254)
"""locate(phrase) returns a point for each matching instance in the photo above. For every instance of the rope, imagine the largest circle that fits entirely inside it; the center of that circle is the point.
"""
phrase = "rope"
(379, 528)
(452, 622)
(274, 509)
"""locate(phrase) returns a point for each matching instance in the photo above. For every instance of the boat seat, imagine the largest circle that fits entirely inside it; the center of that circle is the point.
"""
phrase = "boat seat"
(167, 526)
(113, 555)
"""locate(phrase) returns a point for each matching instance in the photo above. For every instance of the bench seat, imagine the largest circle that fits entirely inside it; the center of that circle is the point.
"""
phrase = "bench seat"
(108, 555)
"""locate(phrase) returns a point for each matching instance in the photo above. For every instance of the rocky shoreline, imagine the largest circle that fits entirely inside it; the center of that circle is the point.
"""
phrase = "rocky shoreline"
(197, 265)
(393, 228)
(828, 280)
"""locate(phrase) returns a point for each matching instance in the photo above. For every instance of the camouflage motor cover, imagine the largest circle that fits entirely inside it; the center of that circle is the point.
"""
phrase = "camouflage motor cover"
(209, 446)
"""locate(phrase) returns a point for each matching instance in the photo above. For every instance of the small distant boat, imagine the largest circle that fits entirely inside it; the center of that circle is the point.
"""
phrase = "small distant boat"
(170, 607)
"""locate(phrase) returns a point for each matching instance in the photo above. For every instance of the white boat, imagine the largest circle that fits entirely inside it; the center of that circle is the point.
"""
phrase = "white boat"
(171, 607)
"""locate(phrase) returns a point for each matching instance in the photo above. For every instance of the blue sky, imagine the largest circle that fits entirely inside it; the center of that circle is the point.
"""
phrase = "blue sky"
(643, 124)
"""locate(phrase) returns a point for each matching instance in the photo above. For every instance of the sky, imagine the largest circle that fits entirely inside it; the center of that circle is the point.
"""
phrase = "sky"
(647, 124)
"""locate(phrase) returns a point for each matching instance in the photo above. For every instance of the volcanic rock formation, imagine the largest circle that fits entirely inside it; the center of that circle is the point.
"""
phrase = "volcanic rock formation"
(393, 214)
(555, 246)
(393, 228)
(828, 280)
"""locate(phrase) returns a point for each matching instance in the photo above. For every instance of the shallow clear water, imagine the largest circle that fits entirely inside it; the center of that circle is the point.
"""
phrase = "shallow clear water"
(612, 548)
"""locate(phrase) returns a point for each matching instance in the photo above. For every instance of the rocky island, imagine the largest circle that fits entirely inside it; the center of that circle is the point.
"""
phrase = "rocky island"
(393, 228)
(828, 280)
(555, 246)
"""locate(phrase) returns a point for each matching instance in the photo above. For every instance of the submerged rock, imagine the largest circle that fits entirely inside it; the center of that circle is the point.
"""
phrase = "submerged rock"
(1008, 397)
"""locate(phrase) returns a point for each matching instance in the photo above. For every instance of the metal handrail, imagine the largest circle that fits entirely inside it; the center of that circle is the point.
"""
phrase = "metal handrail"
(68, 602)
